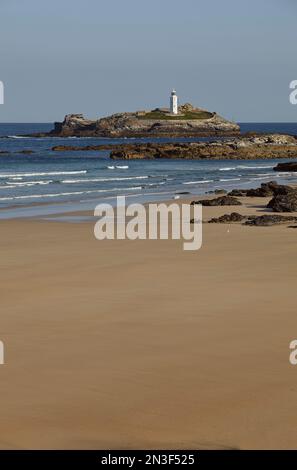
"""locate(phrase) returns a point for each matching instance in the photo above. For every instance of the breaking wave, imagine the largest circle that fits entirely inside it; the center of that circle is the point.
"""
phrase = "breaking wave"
(74, 193)
(49, 173)
(198, 182)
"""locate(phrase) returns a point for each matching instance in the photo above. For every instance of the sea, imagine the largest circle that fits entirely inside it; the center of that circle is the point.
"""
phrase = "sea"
(48, 182)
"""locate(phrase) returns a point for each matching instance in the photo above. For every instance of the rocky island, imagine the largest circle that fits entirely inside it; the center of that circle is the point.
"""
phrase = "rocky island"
(189, 121)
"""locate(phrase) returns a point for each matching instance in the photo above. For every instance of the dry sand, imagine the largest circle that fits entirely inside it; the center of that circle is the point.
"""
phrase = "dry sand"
(139, 344)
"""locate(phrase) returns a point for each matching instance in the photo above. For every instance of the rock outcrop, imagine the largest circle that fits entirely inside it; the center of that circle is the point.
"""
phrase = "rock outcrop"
(74, 125)
(265, 190)
(219, 201)
(268, 220)
(190, 121)
(234, 217)
(258, 221)
(284, 202)
(241, 148)
(286, 166)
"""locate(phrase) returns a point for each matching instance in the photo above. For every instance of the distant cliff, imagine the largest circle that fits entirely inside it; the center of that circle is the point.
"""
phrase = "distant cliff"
(188, 122)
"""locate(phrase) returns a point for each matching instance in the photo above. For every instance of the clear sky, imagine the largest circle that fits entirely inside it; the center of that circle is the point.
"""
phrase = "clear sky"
(96, 57)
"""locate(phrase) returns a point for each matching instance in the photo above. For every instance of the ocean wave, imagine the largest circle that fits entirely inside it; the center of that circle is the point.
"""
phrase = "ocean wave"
(30, 183)
(74, 193)
(262, 174)
(153, 184)
(228, 168)
(230, 179)
(260, 178)
(199, 182)
(49, 173)
(18, 137)
(95, 180)
(248, 167)
(120, 167)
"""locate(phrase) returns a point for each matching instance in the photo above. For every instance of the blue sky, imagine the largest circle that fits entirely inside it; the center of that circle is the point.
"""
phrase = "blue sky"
(99, 57)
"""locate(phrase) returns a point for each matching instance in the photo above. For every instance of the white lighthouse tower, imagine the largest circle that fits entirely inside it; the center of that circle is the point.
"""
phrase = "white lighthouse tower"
(173, 103)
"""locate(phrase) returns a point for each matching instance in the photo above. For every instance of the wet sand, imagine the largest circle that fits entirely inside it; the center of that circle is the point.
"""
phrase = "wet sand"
(139, 344)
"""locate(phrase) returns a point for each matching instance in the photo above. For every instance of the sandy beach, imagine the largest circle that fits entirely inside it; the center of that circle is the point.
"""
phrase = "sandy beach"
(139, 344)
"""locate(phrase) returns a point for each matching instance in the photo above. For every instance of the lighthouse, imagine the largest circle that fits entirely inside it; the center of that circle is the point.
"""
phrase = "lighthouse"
(173, 103)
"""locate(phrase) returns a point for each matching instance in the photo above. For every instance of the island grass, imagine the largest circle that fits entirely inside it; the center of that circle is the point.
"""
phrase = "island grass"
(187, 116)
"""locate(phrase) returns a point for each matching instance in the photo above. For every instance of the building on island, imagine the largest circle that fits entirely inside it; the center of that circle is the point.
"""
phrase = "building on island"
(173, 103)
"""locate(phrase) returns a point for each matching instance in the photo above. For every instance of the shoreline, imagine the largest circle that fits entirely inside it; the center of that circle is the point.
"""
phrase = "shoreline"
(64, 208)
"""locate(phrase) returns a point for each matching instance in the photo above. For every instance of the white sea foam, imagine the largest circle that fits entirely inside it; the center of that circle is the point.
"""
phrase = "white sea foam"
(154, 184)
(228, 168)
(49, 173)
(18, 137)
(249, 167)
(120, 167)
(198, 182)
(74, 193)
(103, 179)
(31, 183)
(230, 179)
(260, 178)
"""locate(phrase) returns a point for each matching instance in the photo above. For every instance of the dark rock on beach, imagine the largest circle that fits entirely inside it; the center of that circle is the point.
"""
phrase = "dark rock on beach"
(286, 166)
(219, 201)
(227, 218)
(284, 202)
(217, 191)
(268, 220)
(258, 221)
(265, 190)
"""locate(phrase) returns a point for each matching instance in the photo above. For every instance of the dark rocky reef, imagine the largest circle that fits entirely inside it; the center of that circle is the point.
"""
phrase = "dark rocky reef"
(219, 201)
(265, 190)
(234, 217)
(284, 198)
(284, 202)
(286, 166)
(258, 221)
(268, 220)
(239, 148)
